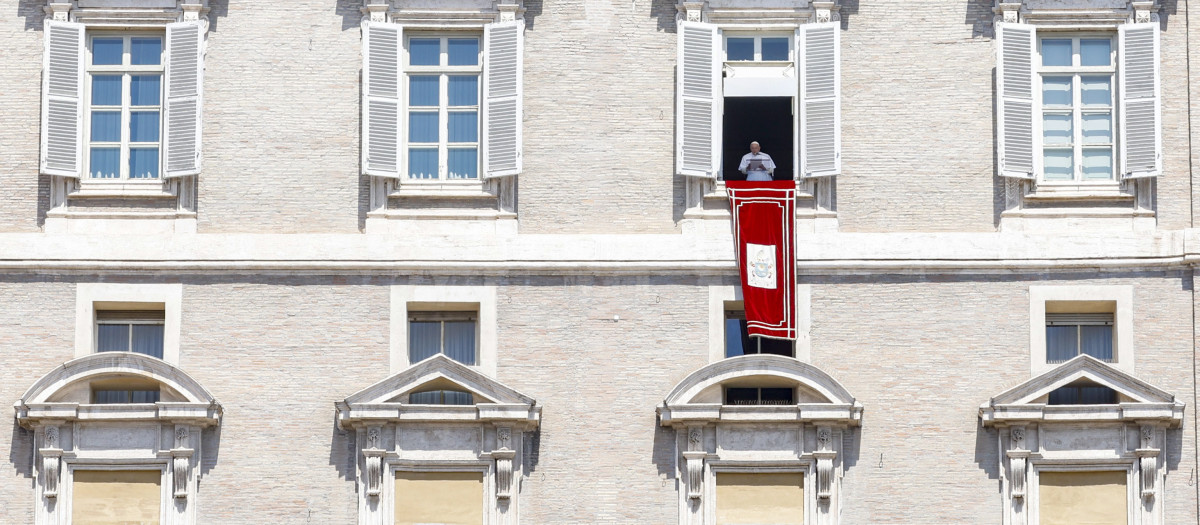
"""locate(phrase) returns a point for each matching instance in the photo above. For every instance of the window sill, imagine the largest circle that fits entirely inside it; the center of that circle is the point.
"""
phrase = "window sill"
(109, 189)
(467, 189)
(1111, 191)
(719, 192)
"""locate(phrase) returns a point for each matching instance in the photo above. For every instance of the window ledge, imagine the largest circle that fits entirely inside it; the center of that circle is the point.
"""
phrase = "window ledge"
(719, 193)
(443, 189)
(1077, 192)
(105, 189)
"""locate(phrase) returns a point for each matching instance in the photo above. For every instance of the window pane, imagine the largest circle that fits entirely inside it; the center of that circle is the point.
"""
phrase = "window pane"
(1057, 130)
(106, 90)
(464, 90)
(422, 163)
(143, 396)
(145, 51)
(1097, 395)
(1096, 341)
(1097, 128)
(1056, 52)
(775, 49)
(423, 90)
(460, 341)
(1097, 165)
(454, 397)
(422, 126)
(148, 339)
(776, 396)
(144, 90)
(143, 126)
(785, 347)
(105, 163)
(424, 340)
(1095, 52)
(1060, 343)
(143, 163)
(109, 397)
(739, 49)
(425, 51)
(463, 51)
(1095, 91)
(741, 396)
(1058, 164)
(1056, 91)
(464, 126)
(1066, 395)
(112, 338)
(464, 163)
(106, 126)
(733, 338)
(426, 398)
(107, 51)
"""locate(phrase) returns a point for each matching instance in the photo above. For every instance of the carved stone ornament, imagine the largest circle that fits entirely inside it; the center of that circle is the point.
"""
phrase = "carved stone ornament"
(179, 467)
(51, 440)
(693, 11)
(825, 474)
(1148, 461)
(373, 437)
(1147, 434)
(695, 473)
(1143, 12)
(504, 473)
(50, 475)
(823, 438)
(504, 438)
(695, 438)
(1009, 11)
(1018, 437)
(1017, 461)
(373, 471)
(824, 12)
(181, 436)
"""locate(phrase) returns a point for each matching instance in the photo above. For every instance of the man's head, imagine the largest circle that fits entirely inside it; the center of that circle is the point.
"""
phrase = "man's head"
(754, 147)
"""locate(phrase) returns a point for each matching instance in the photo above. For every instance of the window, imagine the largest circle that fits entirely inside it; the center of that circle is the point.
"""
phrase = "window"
(451, 498)
(449, 333)
(104, 497)
(738, 340)
(749, 498)
(1077, 79)
(443, 107)
(1078, 108)
(758, 48)
(441, 397)
(138, 331)
(1082, 393)
(1072, 497)
(1068, 321)
(122, 106)
(124, 94)
(1068, 335)
(760, 396)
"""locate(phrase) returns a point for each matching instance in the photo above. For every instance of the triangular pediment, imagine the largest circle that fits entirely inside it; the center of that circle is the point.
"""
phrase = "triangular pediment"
(442, 373)
(1135, 398)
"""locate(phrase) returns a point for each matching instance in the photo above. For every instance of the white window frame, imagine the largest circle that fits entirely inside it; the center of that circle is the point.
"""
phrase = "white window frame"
(445, 298)
(90, 297)
(126, 70)
(1076, 71)
(726, 297)
(1121, 295)
(443, 71)
(758, 37)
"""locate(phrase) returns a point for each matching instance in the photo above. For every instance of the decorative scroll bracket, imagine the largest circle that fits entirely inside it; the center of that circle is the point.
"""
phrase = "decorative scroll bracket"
(1018, 459)
(825, 456)
(695, 472)
(181, 460)
(1148, 461)
(504, 472)
(373, 464)
(51, 459)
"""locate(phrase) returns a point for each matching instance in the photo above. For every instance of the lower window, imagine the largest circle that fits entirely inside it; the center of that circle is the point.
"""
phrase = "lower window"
(450, 333)
(775, 498)
(116, 497)
(447, 498)
(1072, 498)
(738, 340)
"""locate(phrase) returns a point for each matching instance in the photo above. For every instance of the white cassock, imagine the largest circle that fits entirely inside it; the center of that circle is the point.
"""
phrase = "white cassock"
(757, 166)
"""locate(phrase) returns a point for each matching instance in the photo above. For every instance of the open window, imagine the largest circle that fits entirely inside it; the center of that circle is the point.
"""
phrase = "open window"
(439, 443)
(738, 340)
(1068, 321)
(755, 428)
(119, 437)
(1083, 443)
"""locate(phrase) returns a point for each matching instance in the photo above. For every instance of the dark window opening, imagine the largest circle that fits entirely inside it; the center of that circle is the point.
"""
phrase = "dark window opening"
(769, 121)
(441, 397)
(760, 396)
(113, 397)
(1068, 335)
(450, 333)
(139, 331)
(1083, 393)
(738, 340)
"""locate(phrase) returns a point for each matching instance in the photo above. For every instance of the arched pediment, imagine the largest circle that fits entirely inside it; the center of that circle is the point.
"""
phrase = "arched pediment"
(818, 395)
(1137, 399)
(49, 397)
(388, 399)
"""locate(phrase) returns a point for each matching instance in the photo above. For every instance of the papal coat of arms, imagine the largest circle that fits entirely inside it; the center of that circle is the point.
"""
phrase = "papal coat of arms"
(760, 265)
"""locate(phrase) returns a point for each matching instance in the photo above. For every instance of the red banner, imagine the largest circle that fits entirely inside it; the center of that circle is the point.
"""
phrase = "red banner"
(764, 217)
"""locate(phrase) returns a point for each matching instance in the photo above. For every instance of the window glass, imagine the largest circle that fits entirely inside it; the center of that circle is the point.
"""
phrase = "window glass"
(1095, 52)
(1097, 129)
(106, 90)
(106, 126)
(422, 126)
(739, 49)
(112, 338)
(464, 90)
(145, 51)
(424, 340)
(460, 341)
(424, 51)
(143, 126)
(143, 163)
(1096, 91)
(423, 90)
(110, 397)
(144, 90)
(464, 126)
(463, 51)
(147, 339)
(1057, 130)
(105, 163)
(422, 163)
(1097, 164)
(441, 397)
(464, 163)
(1056, 91)
(775, 48)
(107, 51)
(1056, 52)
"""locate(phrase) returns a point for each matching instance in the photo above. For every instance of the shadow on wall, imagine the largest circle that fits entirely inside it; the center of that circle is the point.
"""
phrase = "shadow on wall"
(210, 439)
(986, 446)
(342, 454)
(20, 453)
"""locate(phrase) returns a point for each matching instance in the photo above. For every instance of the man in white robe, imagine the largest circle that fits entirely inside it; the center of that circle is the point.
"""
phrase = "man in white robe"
(757, 165)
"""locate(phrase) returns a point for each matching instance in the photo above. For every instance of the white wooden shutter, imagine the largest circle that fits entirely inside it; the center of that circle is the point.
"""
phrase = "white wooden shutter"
(1014, 86)
(698, 99)
(185, 81)
(1141, 134)
(382, 76)
(502, 54)
(62, 99)
(820, 99)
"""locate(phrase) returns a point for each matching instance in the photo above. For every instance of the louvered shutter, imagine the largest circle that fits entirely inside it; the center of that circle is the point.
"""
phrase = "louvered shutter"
(1141, 136)
(820, 100)
(698, 123)
(185, 81)
(502, 49)
(1014, 85)
(381, 98)
(62, 99)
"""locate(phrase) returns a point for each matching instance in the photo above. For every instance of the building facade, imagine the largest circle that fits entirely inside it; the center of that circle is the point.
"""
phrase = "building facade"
(470, 261)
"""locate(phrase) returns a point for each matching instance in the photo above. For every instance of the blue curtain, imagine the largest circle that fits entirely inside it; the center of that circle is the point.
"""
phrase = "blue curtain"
(112, 338)
(460, 341)
(1096, 341)
(424, 340)
(1061, 343)
(148, 339)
